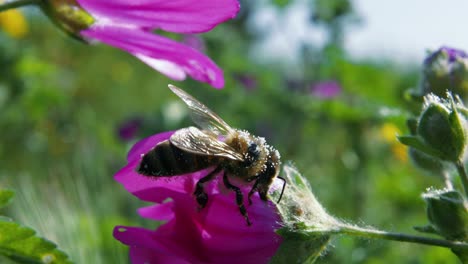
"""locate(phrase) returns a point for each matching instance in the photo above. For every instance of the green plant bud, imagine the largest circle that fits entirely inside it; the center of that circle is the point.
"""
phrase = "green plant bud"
(443, 128)
(68, 15)
(447, 212)
(307, 226)
(445, 69)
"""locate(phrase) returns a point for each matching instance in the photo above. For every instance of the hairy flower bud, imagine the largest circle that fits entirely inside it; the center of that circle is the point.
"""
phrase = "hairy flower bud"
(447, 212)
(441, 130)
(307, 227)
(445, 69)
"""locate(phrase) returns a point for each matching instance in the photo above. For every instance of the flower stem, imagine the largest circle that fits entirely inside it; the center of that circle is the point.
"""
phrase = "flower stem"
(463, 176)
(372, 233)
(17, 3)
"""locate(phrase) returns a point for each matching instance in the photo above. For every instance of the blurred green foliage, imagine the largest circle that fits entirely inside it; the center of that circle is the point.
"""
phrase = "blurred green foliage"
(20, 244)
(62, 103)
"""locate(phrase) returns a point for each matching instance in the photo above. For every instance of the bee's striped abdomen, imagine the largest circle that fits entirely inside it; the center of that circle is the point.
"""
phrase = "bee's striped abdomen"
(167, 160)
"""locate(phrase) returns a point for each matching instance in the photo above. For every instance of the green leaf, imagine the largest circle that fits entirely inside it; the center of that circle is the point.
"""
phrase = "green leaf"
(22, 245)
(5, 197)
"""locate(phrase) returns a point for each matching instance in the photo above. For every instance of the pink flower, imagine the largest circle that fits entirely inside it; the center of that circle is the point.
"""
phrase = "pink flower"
(217, 233)
(326, 89)
(128, 25)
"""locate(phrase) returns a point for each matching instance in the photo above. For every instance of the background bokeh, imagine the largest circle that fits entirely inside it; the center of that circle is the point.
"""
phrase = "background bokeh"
(69, 113)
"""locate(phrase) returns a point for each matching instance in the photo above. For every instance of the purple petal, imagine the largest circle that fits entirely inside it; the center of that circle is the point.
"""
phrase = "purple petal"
(452, 54)
(194, 41)
(146, 249)
(182, 16)
(215, 234)
(158, 212)
(170, 57)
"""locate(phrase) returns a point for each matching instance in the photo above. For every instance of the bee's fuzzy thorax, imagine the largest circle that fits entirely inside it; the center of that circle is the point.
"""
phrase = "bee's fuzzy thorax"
(240, 140)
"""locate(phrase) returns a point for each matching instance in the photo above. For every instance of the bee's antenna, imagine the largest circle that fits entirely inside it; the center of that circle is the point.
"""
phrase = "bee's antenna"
(282, 190)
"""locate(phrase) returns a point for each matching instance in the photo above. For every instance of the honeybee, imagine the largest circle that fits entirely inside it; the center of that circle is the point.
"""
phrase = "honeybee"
(215, 144)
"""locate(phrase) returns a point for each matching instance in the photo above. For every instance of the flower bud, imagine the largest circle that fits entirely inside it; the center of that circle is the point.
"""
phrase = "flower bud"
(447, 212)
(307, 226)
(441, 130)
(68, 15)
(445, 69)
(444, 130)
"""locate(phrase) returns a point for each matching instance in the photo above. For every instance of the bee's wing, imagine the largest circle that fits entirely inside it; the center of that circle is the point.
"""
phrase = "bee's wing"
(197, 141)
(202, 115)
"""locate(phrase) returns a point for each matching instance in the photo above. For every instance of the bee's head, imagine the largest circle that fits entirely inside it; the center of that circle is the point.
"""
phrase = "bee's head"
(253, 153)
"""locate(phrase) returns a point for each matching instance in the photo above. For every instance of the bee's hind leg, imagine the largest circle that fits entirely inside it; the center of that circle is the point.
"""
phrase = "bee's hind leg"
(239, 198)
(200, 194)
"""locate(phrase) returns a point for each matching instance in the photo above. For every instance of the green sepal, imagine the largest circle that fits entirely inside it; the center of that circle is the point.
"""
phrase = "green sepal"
(418, 143)
(458, 126)
(427, 163)
(429, 229)
(300, 247)
(69, 16)
(441, 130)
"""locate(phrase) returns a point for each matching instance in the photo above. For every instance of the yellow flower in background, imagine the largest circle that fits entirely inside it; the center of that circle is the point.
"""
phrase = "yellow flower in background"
(13, 23)
(389, 133)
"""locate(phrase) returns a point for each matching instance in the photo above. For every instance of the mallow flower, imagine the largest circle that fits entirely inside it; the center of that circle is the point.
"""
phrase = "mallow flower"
(129, 25)
(295, 229)
(217, 233)
(326, 89)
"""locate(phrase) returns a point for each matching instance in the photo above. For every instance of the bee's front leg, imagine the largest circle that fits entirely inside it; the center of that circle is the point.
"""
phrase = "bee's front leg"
(200, 194)
(253, 190)
(239, 197)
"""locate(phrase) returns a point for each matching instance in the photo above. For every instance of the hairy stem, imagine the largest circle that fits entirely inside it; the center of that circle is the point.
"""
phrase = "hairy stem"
(17, 3)
(463, 176)
(372, 233)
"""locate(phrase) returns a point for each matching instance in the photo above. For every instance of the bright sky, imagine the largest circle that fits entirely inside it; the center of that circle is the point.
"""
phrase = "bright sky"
(398, 29)
(405, 28)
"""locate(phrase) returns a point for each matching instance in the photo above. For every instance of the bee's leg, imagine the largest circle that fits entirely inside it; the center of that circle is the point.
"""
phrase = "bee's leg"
(200, 194)
(239, 198)
(252, 191)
